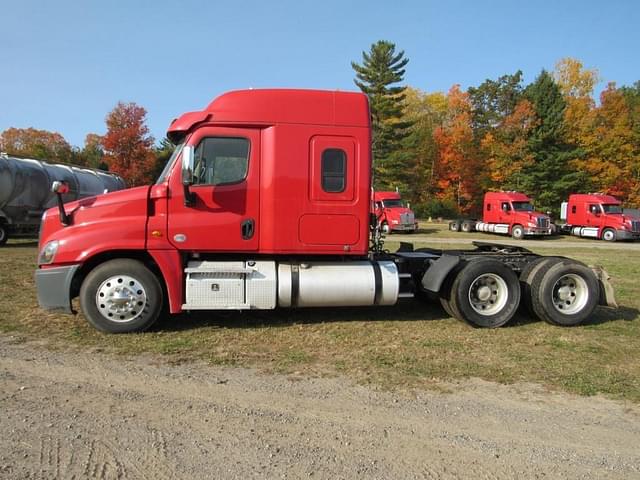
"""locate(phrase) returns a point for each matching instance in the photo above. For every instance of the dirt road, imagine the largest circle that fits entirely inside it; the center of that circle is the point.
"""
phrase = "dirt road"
(92, 415)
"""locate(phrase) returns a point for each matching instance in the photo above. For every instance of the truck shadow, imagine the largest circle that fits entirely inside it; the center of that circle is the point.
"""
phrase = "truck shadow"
(20, 244)
(405, 311)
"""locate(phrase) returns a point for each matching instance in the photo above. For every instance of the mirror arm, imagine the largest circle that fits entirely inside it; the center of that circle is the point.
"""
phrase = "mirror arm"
(59, 188)
(189, 197)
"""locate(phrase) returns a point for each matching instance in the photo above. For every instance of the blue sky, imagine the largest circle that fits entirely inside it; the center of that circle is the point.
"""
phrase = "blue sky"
(64, 64)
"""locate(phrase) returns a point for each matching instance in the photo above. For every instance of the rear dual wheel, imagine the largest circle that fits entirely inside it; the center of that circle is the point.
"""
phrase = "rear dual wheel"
(560, 291)
(483, 293)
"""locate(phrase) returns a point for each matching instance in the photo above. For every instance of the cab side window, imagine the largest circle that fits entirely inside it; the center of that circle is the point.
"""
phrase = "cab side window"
(221, 161)
(334, 170)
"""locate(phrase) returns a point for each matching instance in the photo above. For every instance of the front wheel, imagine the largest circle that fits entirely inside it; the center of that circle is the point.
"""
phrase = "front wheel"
(609, 235)
(517, 232)
(121, 296)
(485, 293)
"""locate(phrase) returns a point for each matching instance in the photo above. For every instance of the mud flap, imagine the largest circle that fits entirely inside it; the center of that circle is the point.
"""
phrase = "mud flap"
(607, 296)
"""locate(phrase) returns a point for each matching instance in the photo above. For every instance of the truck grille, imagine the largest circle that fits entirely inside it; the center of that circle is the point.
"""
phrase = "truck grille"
(407, 218)
(635, 226)
(543, 222)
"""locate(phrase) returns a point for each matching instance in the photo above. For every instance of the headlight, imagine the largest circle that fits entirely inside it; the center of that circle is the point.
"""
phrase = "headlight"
(532, 224)
(395, 222)
(48, 252)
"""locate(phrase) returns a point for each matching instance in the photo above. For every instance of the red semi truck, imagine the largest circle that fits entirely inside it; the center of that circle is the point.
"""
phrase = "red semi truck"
(392, 214)
(509, 213)
(265, 203)
(599, 216)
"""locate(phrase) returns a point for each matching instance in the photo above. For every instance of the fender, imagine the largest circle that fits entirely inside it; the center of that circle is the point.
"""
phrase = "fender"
(170, 264)
(436, 273)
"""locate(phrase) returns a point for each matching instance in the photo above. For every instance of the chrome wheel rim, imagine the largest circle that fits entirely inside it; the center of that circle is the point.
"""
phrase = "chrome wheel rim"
(570, 294)
(488, 294)
(121, 299)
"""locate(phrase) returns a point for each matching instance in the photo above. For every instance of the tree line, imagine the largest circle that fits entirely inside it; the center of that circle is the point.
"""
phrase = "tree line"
(127, 148)
(442, 151)
(548, 139)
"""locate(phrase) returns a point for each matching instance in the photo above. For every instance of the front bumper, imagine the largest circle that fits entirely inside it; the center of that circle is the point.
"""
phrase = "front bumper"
(409, 227)
(627, 235)
(54, 287)
(537, 231)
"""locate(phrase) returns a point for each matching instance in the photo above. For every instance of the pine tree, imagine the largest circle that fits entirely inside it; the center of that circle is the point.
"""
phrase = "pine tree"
(550, 177)
(381, 70)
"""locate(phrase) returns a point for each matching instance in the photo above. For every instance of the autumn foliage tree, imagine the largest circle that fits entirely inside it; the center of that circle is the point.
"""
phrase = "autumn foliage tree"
(128, 144)
(458, 167)
(33, 143)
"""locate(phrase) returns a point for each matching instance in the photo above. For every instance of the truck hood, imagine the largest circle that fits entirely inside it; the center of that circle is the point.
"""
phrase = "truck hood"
(531, 216)
(120, 207)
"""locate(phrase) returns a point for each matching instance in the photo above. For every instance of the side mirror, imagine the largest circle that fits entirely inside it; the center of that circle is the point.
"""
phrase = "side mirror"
(188, 156)
(59, 187)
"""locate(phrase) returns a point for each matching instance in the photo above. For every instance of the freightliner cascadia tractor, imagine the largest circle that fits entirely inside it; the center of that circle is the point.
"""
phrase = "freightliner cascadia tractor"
(599, 216)
(266, 203)
(392, 214)
(507, 213)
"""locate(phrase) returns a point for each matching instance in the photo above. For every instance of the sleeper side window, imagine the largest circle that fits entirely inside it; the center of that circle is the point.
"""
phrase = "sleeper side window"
(221, 161)
(334, 170)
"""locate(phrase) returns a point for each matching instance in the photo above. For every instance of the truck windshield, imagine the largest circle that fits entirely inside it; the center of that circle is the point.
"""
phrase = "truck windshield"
(392, 203)
(612, 208)
(167, 167)
(522, 206)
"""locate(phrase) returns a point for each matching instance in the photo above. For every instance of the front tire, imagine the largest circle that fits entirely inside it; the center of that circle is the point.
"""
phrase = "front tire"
(385, 228)
(609, 235)
(517, 232)
(121, 296)
(485, 293)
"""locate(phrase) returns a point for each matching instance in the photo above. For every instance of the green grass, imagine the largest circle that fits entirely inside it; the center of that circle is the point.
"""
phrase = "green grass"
(411, 345)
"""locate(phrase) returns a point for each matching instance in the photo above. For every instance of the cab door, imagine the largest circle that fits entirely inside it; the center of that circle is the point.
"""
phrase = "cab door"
(594, 217)
(222, 214)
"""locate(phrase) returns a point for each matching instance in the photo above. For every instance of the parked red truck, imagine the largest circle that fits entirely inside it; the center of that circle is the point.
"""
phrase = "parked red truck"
(508, 213)
(392, 214)
(265, 203)
(599, 216)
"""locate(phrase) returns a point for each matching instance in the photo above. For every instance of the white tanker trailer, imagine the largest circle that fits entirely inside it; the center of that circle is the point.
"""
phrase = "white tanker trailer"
(25, 191)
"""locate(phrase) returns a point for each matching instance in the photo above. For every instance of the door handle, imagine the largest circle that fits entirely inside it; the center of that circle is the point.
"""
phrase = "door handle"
(248, 228)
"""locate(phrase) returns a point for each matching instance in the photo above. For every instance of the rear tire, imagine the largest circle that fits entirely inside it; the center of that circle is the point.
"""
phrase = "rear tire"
(466, 227)
(609, 235)
(121, 296)
(454, 226)
(4, 233)
(527, 276)
(485, 293)
(564, 293)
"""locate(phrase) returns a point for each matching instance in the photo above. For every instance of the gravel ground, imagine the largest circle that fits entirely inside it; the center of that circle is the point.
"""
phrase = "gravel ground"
(92, 415)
